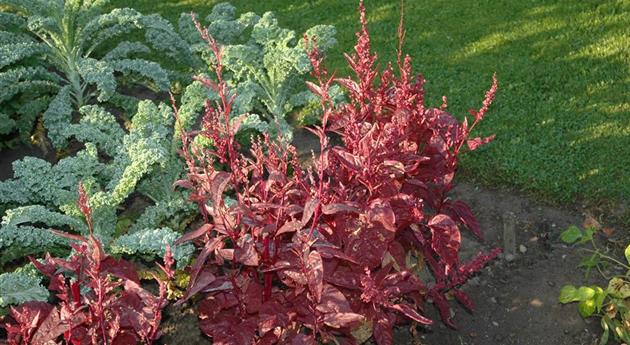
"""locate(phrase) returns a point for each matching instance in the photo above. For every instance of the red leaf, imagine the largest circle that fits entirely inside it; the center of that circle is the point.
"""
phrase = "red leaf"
(229, 330)
(446, 239)
(333, 301)
(50, 329)
(210, 246)
(328, 252)
(69, 236)
(278, 266)
(315, 89)
(192, 235)
(125, 338)
(28, 316)
(315, 275)
(290, 226)
(394, 167)
(445, 311)
(347, 159)
(309, 209)
(368, 245)
(410, 312)
(211, 84)
(342, 320)
(460, 211)
(272, 314)
(297, 277)
(121, 268)
(474, 144)
(133, 288)
(383, 328)
(220, 180)
(464, 299)
(339, 208)
(183, 184)
(349, 84)
(345, 278)
(381, 211)
(246, 252)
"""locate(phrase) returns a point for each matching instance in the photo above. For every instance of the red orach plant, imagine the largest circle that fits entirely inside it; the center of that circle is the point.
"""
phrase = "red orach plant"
(99, 298)
(308, 255)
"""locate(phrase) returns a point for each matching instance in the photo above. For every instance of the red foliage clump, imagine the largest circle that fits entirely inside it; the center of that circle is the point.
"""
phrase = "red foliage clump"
(307, 255)
(99, 298)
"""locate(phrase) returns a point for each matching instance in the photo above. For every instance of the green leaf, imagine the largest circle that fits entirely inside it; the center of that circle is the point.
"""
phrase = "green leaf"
(618, 288)
(586, 308)
(152, 243)
(19, 287)
(588, 235)
(99, 73)
(600, 296)
(568, 294)
(627, 253)
(604, 339)
(620, 330)
(590, 261)
(570, 235)
(585, 293)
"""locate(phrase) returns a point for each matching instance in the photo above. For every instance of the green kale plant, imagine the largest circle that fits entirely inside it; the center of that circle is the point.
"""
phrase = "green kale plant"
(264, 64)
(19, 286)
(118, 165)
(54, 59)
(42, 194)
(612, 303)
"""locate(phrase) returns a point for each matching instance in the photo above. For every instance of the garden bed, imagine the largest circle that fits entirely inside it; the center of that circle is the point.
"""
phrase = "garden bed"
(516, 302)
(168, 223)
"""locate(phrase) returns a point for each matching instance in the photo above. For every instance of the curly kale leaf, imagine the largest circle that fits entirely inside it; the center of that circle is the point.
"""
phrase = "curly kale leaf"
(162, 36)
(19, 287)
(58, 116)
(126, 49)
(101, 74)
(59, 187)
(99, 127)
(151, 244)
(267, 70)
(147, 69)
(12, 53)
(17, 242)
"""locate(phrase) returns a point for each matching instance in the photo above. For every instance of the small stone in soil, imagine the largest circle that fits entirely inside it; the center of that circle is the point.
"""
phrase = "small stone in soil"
(522, 249)
(496, 324)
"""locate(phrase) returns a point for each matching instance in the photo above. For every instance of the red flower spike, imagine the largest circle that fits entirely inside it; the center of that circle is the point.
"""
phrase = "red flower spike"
(99, 303)
(304, 255)
(84, 206)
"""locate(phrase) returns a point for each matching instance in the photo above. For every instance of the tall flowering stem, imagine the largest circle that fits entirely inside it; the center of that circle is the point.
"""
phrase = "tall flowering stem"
(305, 255)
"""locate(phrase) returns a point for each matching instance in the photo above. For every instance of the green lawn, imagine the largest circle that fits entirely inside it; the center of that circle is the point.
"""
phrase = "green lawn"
(562, 115)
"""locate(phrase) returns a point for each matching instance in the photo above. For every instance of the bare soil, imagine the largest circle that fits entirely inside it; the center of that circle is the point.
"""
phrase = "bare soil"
(517, 301)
